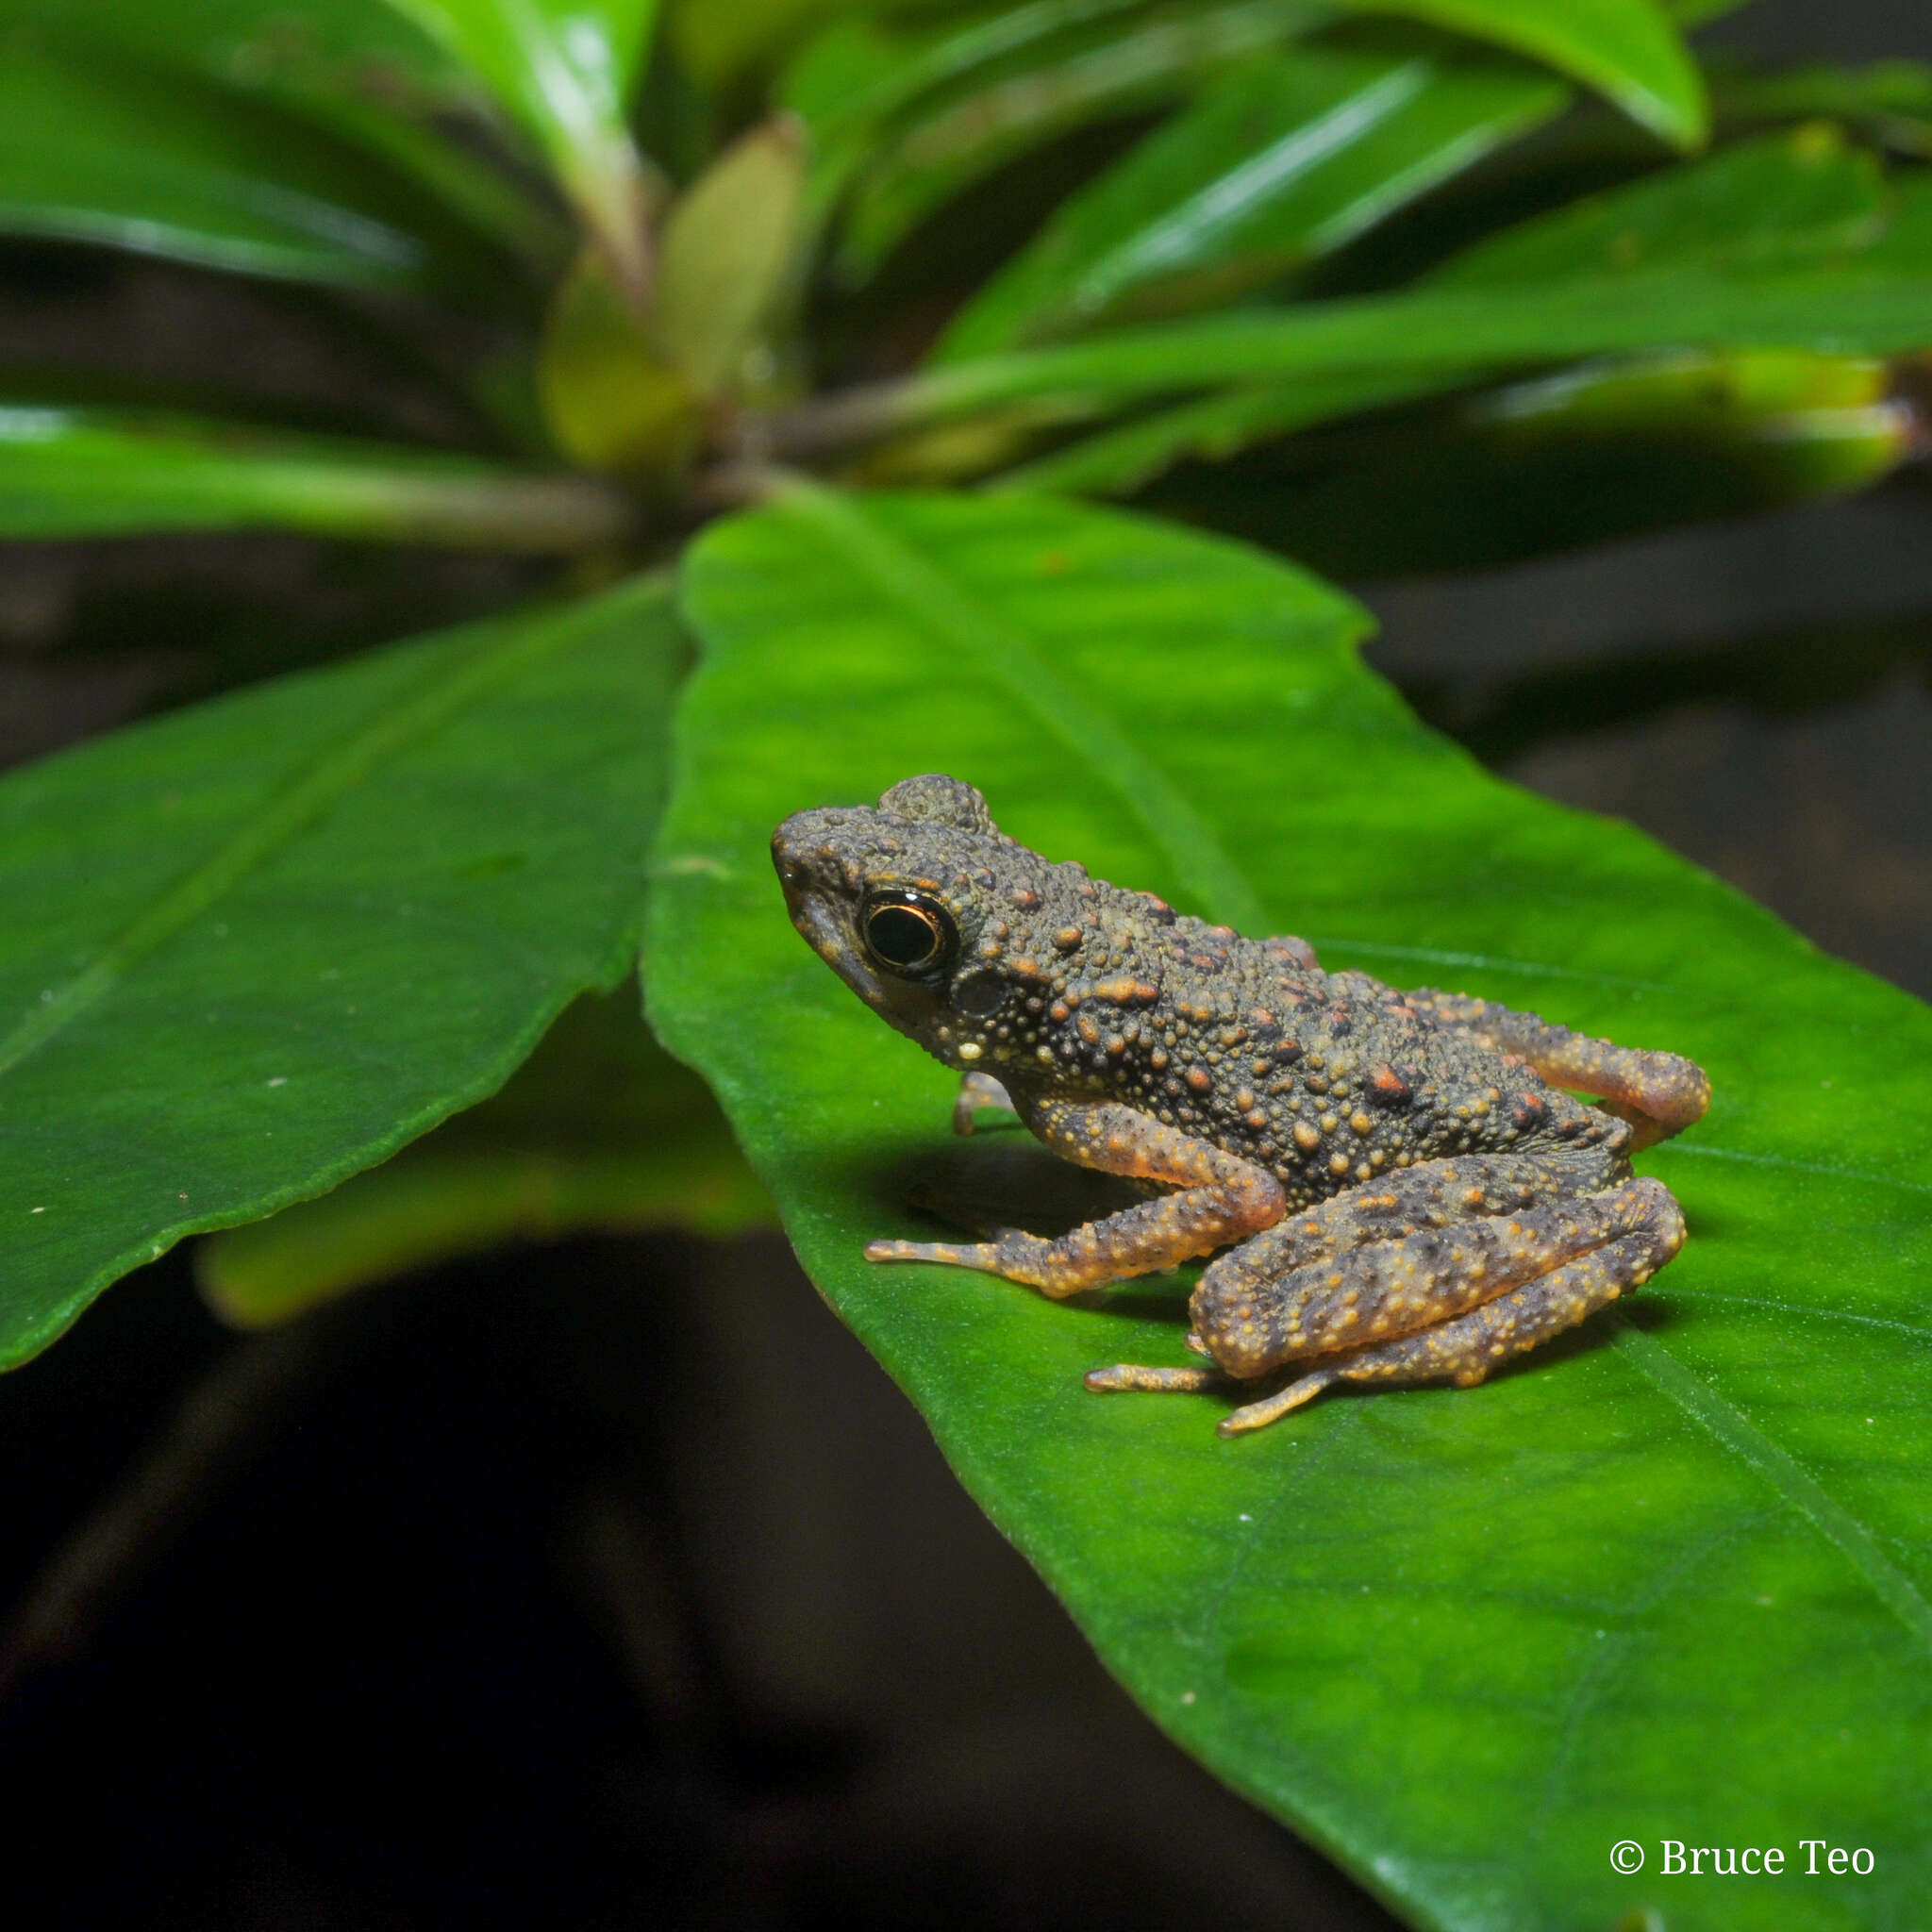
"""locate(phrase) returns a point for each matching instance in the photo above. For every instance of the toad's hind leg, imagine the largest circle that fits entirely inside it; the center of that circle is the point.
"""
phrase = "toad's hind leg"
(1659, 1093)
(1219, 1198)
(1466, 1348)
(1441, 1295)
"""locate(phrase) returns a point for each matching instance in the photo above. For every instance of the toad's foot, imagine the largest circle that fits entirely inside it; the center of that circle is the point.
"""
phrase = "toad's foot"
(1436, 1304)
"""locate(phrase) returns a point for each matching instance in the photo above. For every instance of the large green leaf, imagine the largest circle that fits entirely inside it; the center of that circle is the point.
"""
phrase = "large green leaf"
(1666, 1580)
(255, 946)
(1281, 162)
(96, 149)
(599, 1130)
(95, 473)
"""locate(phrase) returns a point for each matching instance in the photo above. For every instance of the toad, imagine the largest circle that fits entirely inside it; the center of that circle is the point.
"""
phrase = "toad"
(1403, 1187)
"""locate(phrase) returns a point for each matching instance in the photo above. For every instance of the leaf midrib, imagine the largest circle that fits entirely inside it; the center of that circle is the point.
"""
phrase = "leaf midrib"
(942, 605)
(443, 692)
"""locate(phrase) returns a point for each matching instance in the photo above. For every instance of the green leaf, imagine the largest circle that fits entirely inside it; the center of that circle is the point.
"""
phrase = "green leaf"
(257, 947)
(368, 49)
(565, 69)
(1667, 1579)
(1890, 101)
(1736, 430)
(1878, 302)
(730, 253)
(718, 41)
(860, 75)
(1121, 460)
(355, 67)
(96, 473)
(164, 165)
(1095, 63)
(610, 400)
(1277, 164)
(1564, 460)
(1780, 201)
(1629, 50)
(600, 1130)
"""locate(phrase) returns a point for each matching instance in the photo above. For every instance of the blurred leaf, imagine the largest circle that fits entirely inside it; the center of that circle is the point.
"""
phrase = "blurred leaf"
(1890, 101)
(860, 73)
(163, 164)
(717, 41)
(306, 48)
(1629, 50)
(610, 401)
(1878, 302)
(95, 473)
(1576, 457)
(858, 79)
(1781, 201)
(565, 69)
(720, 44)
(257, 946)
(355, 67)
(1123, 458)
(1280, 162)
(1666, 1578)
(1761, 386)
(728, 252)
(1776, 202)
(1097, 63)
(599, 1130)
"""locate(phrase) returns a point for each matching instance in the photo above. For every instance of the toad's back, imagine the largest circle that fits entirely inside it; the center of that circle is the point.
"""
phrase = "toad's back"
(1328, 1079)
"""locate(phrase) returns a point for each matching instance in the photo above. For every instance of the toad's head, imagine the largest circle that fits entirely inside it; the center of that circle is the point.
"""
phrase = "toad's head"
(934, 917)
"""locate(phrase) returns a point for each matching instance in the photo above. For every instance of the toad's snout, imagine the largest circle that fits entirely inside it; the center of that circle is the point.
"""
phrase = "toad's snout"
(812, 873)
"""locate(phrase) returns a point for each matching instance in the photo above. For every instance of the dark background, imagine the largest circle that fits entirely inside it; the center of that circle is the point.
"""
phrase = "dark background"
(610, 1583)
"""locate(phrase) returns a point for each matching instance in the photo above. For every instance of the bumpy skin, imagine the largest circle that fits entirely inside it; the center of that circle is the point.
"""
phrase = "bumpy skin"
(1409, 1197)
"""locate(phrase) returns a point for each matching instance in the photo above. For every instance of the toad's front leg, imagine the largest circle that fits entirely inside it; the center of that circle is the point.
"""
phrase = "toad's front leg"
(1220, 1198)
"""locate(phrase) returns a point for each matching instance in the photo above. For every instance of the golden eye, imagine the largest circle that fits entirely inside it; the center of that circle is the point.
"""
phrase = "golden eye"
(909, 933)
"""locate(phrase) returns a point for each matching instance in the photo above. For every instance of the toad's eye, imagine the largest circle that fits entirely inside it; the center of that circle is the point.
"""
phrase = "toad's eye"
(909, 933)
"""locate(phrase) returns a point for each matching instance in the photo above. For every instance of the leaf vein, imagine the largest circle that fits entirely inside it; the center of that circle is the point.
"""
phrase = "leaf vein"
(944, 605)
(1793, 1483)
(442, 692)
